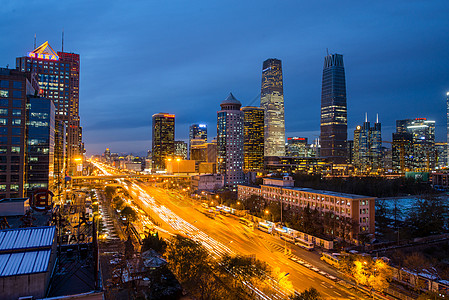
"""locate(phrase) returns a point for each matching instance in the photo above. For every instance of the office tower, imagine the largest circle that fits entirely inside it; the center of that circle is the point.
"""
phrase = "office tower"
(367, 153)
(413, 146)
(297, 146)
(334, 122)
(402, 152)
(58, 76)
(198, 131)
(40, 128)
(272, 101)
(253, 135)
(447, 125)
(423, 133)
(14, 88)
(163, 139)
(60, 155)
(230, 141)
(197, 135)
(440, 155)
(181, 149)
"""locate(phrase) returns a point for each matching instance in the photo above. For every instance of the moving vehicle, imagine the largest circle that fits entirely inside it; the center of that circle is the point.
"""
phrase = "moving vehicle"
(332, 259)
(265, 227)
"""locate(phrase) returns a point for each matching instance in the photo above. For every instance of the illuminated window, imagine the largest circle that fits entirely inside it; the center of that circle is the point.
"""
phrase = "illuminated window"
(4, 93)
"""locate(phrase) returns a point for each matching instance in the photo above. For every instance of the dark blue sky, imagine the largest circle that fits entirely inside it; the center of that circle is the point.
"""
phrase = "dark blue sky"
(184, 57)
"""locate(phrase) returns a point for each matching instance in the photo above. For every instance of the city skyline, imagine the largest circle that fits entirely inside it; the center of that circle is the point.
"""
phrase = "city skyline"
(379, 73)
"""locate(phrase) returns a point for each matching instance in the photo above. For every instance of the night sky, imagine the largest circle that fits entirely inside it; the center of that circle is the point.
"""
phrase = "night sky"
(184, 57)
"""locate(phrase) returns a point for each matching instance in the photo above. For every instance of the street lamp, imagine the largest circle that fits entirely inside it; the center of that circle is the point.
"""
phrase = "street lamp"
(178, 160)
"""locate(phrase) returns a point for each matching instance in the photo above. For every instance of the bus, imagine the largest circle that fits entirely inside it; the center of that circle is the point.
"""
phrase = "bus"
(304, 244)
(288, 238)
(332, 259)
(265, 227)
(246, 222)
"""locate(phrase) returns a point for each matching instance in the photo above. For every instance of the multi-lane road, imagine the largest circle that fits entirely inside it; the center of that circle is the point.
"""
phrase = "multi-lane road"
(224, 234)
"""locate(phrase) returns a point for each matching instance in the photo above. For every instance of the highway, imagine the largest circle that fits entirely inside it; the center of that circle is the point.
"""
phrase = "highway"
(224, 234)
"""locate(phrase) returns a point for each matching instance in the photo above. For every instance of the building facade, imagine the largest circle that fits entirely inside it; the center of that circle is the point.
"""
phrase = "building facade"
(163, 139)
(40, 128)
(421, 156)
(334, 116)
(197, 135)
(367, 153)
(272, 101)
(14, 88)
(58, 76)
(181, 149)
(253, 133)
(298, 146)
(359, 209)
(230, 142)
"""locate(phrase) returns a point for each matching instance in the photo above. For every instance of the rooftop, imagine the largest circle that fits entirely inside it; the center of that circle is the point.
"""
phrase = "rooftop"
(26, 238)
(19, 263)
(231, 100)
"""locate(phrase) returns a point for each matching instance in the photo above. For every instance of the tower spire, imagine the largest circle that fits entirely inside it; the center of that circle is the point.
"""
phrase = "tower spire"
(366, 117)
(377, 118)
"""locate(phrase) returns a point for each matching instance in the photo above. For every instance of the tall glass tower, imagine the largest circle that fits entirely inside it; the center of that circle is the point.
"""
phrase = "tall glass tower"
(272, 101)
(163, 139)
(334, 119)
(253, 144)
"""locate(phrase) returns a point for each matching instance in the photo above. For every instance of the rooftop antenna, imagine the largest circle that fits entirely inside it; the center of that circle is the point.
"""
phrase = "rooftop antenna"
(62, 50)
(34, 41)
(366, 117)
(377, 118)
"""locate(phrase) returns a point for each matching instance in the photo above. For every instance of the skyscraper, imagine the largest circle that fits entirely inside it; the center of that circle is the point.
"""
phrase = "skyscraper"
(197, 136)
(447, 125)
(230, 141)
(40, 127)
(272, 101)
(58, 77)
(14, 88)
(367, 149)
(253, 132)
(181, 149)
(334, 122)
(414, 145)
(163, 139)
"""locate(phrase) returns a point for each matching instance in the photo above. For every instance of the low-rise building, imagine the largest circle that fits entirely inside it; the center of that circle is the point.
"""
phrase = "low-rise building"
(207, 182)
(356, 207)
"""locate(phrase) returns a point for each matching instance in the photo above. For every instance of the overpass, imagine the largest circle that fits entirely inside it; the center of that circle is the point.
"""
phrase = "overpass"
(77, 179)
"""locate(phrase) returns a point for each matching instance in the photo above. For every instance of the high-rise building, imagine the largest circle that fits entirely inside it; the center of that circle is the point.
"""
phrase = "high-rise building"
(367, 153)
(420, 155)
(272, 101)
(58, 76)
(40, 128)
(334, 120)
(402, 152)
(441, 155)
(297, 146)
(204, 153)
(253, 133)
(181, 149)
(60, 155)
(197, 136)
(14, 88)
(447, 125)
(163, 139)
(423, 133)
(230, 141)
(198, 131)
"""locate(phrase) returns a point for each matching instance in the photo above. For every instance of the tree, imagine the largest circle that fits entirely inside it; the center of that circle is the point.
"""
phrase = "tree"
(428, 216)
(129, 213)
(153, 241)
(189, 261)
(110, 192)
(374, 274)
(243, 269)
(309, 294)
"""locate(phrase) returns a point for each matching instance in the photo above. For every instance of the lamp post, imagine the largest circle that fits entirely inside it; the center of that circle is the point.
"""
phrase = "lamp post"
(178, 160)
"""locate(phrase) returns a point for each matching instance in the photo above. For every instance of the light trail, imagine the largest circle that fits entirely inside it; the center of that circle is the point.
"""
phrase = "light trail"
(214, 247)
